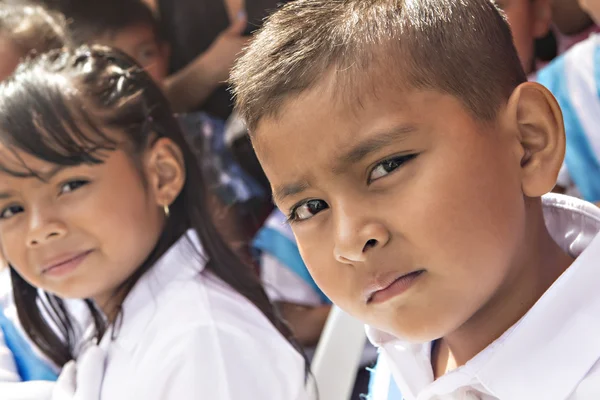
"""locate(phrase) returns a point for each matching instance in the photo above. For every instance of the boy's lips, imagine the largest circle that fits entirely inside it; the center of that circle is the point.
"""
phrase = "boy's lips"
(389, 285)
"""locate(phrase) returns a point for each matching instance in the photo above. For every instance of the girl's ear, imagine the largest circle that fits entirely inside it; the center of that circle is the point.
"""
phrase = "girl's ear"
(165, 169)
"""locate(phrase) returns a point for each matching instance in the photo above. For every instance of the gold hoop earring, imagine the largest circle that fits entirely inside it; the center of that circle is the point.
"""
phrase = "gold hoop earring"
(166, 210)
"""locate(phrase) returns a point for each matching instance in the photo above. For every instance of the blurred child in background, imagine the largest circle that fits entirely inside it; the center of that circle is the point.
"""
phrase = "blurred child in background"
(574, 79)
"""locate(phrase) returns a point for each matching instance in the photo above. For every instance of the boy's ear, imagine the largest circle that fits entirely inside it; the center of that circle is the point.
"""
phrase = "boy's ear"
(165, 170)
(541, 135)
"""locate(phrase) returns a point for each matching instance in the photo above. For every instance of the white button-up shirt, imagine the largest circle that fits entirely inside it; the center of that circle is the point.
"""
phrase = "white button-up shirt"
(552, 353)
(187, 335)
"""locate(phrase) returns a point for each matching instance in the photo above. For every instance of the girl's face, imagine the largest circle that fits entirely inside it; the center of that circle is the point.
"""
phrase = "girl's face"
(592, 7)
(81, 231)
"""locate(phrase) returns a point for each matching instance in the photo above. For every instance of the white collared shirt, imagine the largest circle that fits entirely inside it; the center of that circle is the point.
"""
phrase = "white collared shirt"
(552, 353)
(187, 335)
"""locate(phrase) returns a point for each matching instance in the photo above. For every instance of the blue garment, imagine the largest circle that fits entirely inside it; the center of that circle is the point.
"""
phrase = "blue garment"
(29, 366)
(391, 390)
(223, 174)
(574, 79)
(276, 239)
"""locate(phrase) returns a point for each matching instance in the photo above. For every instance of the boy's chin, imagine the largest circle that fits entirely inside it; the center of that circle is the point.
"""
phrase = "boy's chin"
(420, 331)
(419, 336)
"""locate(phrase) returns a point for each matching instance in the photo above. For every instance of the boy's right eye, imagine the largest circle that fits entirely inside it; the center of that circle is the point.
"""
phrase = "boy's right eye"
(306, 210)
(10, 211)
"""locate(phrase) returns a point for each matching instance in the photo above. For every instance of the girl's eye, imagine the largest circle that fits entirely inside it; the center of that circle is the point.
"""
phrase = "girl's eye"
(388, 166)
(72, 185)
(10, 212)
(307, 210)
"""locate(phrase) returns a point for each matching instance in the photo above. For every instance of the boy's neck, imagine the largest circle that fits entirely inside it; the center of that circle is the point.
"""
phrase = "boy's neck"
(540, 263)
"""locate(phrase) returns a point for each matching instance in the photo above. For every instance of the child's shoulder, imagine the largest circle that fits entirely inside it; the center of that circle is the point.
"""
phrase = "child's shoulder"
(199, 336)
(204, 325)
(207, 303)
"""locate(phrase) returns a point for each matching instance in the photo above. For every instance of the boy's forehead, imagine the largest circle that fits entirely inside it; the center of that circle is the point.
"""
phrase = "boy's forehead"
(341, 93)
(344, 111)
(324, 125)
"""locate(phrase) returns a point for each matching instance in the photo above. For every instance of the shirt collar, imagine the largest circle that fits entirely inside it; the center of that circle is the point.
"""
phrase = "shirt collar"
(184, 260)
(553, 345)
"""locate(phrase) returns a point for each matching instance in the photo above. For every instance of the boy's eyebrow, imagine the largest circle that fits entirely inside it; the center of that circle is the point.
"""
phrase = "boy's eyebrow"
(283, 191)
(376, 141)
(357, 153)
(6, 195)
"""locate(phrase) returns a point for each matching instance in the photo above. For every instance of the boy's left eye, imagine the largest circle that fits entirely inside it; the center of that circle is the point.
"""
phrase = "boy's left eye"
(72, 185)
(307, 210)
(388, 166)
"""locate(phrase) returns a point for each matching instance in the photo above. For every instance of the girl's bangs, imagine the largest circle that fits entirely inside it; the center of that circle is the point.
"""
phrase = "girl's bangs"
(50, 123)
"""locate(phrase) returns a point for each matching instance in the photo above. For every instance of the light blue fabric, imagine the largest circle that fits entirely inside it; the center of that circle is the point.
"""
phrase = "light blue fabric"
(393, 392)
(286, 251)
(583, 165)
(29, 365)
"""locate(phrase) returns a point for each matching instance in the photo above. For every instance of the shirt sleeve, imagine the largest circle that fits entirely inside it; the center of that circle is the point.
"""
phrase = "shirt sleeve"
(8, 368)
(223, 363)
(35, 390)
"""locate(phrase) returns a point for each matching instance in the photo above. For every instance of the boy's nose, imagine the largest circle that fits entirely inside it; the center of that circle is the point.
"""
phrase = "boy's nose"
(355, 244)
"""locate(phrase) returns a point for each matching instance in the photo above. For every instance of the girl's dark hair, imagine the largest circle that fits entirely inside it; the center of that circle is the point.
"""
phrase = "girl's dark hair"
(58, 107)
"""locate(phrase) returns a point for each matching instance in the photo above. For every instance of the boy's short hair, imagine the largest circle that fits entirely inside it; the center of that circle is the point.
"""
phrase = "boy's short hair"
(31, 28)
(460, 47)
(90, 19)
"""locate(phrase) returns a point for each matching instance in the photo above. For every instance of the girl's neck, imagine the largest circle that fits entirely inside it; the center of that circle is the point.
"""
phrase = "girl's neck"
(110, 304)
(535, 270)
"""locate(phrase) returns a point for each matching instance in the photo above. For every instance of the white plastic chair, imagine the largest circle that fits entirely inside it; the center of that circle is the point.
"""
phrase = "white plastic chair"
(337, 356)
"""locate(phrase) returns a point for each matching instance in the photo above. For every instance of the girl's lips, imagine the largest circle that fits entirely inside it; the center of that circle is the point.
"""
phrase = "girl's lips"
(64, 264)
(392, 287)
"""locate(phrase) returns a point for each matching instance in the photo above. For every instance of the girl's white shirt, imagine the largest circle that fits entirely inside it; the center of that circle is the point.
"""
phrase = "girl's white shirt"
(185, 334)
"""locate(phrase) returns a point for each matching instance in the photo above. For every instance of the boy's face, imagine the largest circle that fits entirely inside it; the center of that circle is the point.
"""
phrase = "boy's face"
(140, 43)
(403, 182)
(592, 7)
(529, 20)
